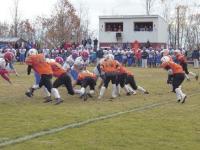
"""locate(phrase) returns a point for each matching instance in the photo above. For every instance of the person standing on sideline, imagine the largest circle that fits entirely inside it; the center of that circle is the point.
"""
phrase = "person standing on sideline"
(195, 58)
(22, 52)
(145, 56)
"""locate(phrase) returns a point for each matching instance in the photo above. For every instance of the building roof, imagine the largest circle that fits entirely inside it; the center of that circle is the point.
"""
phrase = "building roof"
(128, 16)
(10, 39)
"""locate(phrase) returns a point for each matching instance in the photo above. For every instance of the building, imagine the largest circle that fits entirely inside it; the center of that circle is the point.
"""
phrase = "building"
(120, 30)
(12, 41)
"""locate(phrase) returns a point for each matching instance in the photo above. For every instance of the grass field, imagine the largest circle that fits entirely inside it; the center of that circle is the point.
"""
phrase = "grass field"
(171, 126)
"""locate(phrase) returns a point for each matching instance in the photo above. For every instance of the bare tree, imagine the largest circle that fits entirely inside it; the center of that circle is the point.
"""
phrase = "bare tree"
(149, 5)
(26, 30)
(62, 26)
(83, 13)
(4, 29)
(15, 15)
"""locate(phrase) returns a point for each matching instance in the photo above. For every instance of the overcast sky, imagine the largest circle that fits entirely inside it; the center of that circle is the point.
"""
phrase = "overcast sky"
(29, 9)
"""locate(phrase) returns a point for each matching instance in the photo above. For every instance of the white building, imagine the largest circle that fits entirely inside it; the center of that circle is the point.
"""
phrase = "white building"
(127, 29)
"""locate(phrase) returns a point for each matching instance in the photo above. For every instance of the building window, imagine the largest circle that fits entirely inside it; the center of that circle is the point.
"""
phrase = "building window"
(114, 27)
(143, 26)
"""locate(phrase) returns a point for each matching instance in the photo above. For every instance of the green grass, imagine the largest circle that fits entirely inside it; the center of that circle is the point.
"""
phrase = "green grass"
(169, 127)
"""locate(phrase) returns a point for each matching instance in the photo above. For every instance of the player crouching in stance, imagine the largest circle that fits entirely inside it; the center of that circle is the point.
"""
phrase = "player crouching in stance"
(86, 79)
(62, 77)
(178, 77)
(29, 92)
(3, 63)
(183, 62)
(110, 68)
(38, 64)
(128, 82)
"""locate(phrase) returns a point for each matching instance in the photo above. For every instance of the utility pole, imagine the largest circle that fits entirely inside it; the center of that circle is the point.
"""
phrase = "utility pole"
(178, 26)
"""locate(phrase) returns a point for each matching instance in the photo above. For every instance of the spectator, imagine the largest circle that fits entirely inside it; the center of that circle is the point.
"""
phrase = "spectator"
(150, 28)
(22, 52)
(119, 28)
(84, 42)
(148, 44)
(145, 56)
(158, 58)
(195, 57)
(151, 58)
(99, 55)
(95, 44)
(89, 43)
(138, 58)
(130, 58)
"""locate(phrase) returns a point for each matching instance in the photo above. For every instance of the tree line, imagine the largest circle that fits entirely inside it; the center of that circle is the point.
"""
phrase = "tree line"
(64, 24)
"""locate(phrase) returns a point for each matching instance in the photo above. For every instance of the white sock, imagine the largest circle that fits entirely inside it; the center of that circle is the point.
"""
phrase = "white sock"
(187, 77)
(126, 88)
(47, 92)
(179, 92)
(102, 91)
(55, 93)
(35, 86)
(82, 91)
(77, 91)
(118, 90)
(141, 89)
(91, 92)
(130, 89)
(114, 89)
(178, 96)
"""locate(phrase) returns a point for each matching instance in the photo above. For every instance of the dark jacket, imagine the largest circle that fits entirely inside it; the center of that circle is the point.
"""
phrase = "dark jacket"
(100, 54)
(145, 55)
(195, 54)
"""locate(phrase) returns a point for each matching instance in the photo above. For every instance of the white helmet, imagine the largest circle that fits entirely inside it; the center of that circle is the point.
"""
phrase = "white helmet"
(122, 52)
(32, 52)
(165, 59)
(105, 52)
(110, 52)
(110, 56)
(165, 52)
(2, 63)
(78, 61)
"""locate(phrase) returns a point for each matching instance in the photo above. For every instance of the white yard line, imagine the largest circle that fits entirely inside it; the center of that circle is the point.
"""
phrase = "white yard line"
(78, 124)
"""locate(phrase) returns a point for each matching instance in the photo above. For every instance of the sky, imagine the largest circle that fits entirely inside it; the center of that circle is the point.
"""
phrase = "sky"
(30, 9)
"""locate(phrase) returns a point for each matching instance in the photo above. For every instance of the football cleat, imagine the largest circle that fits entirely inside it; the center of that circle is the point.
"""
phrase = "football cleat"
(58, 101)
(47, 100)
(183, 99)
(128, 94)
(29, 94)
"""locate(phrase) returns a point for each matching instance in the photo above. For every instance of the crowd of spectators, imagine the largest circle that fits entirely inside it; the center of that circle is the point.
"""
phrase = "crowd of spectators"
(145, 57)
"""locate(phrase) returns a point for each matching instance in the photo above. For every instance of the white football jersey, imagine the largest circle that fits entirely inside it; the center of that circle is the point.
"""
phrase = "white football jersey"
(2, 63)
(80, 59)
(69, 62)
